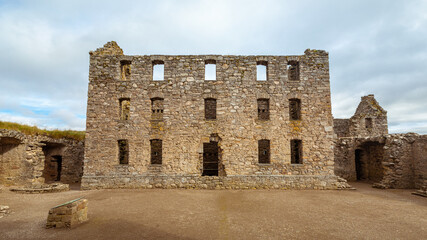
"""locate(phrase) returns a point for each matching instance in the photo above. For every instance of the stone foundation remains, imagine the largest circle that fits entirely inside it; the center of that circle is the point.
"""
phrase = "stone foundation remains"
(218, 182)
(42, 188)
(209, 121)
(422, 191)
(68, 215)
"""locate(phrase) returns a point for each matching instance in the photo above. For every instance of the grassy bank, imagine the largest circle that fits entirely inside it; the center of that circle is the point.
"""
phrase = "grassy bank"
(32, 130)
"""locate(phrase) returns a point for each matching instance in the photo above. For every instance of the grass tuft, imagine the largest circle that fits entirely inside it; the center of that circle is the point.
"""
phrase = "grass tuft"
(33, 130)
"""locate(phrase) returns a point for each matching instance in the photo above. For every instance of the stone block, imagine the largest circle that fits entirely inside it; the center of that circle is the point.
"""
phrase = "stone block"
(69, 214)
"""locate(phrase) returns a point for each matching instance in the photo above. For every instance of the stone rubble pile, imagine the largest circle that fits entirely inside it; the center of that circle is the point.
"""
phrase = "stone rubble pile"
(4, 210)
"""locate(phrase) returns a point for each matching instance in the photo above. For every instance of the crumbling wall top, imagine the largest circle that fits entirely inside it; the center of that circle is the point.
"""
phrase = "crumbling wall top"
(110, 48)
(315, 52)
(369, 104)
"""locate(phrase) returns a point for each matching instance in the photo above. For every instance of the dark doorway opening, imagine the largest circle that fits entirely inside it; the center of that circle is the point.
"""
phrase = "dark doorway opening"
(53, 161)
(210, 159)
(358, 158)
(368, 162)
(58, 160)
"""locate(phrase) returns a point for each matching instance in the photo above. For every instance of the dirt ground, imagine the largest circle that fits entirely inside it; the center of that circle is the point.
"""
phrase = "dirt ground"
(365, 213)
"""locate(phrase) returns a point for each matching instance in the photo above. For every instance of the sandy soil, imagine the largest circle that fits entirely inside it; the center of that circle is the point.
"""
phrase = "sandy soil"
(209, 214)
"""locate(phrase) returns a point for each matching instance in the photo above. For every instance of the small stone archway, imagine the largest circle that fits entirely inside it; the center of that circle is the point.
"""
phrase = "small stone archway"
(368, 157)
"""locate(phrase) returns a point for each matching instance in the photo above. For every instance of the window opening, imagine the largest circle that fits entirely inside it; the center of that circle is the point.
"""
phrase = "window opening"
(123, 151)
(124, 108)
(368, 123)
(158, 70)
(157, 108)
(156, 151)
(261, 71)
(293, 70)
(295, 109)
(263, 109)
(210, 70)
(264, 151)
(210, 108)
(125, 69)
(296, 151)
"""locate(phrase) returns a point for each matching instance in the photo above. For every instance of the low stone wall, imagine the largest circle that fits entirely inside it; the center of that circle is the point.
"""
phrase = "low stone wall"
(215, 182)
(43, 188)
(423, 191)
(68, 215)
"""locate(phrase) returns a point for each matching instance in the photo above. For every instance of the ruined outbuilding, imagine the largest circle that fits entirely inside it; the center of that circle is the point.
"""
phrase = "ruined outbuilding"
(364, 151)
(209, 121)
(33, 160)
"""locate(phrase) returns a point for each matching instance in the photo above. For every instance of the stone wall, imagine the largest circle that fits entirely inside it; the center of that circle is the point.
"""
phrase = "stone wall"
(342, 127)
(369, 120)
(29, 160)
(11, 169)
(420, 161)
(217, 182)
(365, 151)
(399, 159)
(180, 120)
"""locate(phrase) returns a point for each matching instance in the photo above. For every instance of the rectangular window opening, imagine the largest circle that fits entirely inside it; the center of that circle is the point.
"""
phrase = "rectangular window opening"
(157, 108)
(123, 151)
(368, 122)
(210, 70)
(296, 151)
(263, 109)
(124, 108)
(293, 70)
(261, 71)
(210, 108)
(294, 109)
(264, 151)
(125, 69)
(156, 151)
(158, 70)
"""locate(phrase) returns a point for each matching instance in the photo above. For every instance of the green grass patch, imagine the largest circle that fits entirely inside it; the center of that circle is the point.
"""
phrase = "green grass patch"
(33, 130)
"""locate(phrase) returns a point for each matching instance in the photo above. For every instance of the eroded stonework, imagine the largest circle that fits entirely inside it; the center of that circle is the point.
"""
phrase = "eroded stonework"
(129, 115)
(365, 151)
(34, 160)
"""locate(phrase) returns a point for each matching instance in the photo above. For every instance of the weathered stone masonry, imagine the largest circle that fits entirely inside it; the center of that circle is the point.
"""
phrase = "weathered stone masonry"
(34, 160)
(365, 151)
(171, 114)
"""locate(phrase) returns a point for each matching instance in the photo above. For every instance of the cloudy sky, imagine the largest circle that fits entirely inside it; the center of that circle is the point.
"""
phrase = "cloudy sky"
(377, 47)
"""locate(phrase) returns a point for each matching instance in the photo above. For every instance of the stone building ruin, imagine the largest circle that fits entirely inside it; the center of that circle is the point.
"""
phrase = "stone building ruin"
(27, 160)
(209, 121)
(217, 122)
(364, 151)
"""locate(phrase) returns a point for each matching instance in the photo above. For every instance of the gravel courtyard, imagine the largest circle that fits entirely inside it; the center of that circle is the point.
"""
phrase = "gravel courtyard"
(365, 213)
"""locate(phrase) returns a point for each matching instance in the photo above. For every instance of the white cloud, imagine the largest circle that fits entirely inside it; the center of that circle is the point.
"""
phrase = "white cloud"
(375, 47)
